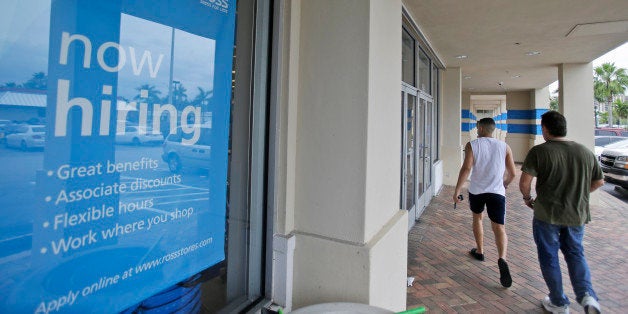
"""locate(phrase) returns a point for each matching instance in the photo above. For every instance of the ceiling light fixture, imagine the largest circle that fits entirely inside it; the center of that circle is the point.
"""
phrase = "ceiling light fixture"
(466, 77)
(461, 57)
(516, 76)
(533, 53)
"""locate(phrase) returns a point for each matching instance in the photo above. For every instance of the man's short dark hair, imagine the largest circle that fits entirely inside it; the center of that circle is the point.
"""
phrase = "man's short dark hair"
(488, 124)
(555, 123)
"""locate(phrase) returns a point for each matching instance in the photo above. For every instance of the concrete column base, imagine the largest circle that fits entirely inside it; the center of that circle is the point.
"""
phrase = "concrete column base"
(367, 273)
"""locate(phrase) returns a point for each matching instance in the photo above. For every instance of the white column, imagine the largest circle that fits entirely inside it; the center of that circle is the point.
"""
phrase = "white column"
(575, 81)
(451, 149)
(540, 101)
(351, 236)
(576, 101)
(520, 123)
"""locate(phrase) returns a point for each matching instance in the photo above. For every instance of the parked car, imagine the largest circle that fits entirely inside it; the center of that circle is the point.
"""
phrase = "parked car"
(179, 155)
(27, 136)
(137, 135)
(614, 162)
(3, 124)
(602, 142)
(611, 131)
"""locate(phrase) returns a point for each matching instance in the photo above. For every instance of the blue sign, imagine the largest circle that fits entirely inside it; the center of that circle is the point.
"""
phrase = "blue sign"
(114, 172)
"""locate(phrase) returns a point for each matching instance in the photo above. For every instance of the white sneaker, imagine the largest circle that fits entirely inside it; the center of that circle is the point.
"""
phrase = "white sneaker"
(590, 305)
(547, 304)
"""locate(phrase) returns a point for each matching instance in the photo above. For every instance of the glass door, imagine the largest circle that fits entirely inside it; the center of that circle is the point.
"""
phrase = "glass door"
(408, 151)
(424, 154)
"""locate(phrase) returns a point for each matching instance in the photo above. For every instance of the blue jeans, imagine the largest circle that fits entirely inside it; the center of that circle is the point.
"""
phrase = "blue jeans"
(549, 238)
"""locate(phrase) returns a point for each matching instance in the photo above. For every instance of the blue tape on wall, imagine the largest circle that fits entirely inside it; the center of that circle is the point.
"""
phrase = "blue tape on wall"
(128, 195)
(526, 114)
(524, 129)
(465, 114)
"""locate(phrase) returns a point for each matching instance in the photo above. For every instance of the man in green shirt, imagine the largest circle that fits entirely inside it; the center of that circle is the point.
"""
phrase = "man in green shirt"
(566, 172)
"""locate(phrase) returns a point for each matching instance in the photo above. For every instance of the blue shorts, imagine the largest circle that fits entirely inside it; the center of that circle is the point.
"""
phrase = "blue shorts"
(495, 206)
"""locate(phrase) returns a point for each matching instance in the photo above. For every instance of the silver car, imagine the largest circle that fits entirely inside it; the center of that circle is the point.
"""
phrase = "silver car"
(27, 136)
(178, 154)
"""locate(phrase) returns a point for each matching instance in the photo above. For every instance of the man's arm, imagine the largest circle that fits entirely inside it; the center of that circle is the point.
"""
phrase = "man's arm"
(595, 184)
(525, 186)
(510, 167)
(467, 165)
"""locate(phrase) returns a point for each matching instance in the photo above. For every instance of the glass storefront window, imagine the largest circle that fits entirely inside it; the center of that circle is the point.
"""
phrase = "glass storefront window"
(407, 58)
(425, 81)
(116, 116)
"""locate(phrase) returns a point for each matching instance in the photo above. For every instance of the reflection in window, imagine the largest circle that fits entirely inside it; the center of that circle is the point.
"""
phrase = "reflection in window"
(424, 72)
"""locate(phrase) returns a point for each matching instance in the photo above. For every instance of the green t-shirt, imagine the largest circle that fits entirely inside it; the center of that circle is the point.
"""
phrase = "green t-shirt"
(564, 171)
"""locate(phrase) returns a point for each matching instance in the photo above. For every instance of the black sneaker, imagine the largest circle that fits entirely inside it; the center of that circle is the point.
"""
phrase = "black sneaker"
(504, 273)
(476, 255)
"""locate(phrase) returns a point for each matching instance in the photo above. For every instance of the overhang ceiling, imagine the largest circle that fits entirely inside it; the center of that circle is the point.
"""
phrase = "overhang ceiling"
(497, 35)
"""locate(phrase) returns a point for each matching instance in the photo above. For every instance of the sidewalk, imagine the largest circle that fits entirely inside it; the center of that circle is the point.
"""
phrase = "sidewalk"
(448, 280)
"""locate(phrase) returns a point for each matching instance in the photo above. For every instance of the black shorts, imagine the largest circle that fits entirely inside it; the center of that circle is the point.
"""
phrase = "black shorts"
(495, 206)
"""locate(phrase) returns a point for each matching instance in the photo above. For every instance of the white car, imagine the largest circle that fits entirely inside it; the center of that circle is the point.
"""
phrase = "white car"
(137, 135)
(178, 155)
(603, 141)
(27, 136)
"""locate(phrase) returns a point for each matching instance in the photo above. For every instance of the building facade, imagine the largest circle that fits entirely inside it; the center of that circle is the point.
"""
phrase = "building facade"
(298, 142)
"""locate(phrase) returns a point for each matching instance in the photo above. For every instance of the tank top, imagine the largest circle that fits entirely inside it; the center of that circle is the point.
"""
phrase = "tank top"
(489, 165)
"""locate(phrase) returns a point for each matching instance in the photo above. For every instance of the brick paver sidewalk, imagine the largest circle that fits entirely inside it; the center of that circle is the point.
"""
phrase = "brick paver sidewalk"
(448, 280)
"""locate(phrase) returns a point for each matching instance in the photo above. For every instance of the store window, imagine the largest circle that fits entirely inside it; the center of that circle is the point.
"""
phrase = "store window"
(408, 46)
(425, 80)
(117, 117)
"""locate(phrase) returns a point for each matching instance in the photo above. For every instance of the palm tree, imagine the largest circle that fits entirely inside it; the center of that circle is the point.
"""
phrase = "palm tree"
(153, 94)
(38, 81)
(608, 82)
(180, 96)
(621, 108)
(203, 98)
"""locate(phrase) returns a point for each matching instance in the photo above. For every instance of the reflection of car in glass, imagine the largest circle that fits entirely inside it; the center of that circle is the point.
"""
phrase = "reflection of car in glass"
(3, 132)
(602, 142)
(178, 155)
(137, 135)
(27, 136)
(614, 162)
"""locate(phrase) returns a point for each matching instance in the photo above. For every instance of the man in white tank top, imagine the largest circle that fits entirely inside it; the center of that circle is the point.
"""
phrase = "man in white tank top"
(489, 159)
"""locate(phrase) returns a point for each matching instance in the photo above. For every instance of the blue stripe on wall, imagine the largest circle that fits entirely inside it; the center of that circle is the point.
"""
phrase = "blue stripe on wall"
(526, 114)
(466, 114)
(525, 129)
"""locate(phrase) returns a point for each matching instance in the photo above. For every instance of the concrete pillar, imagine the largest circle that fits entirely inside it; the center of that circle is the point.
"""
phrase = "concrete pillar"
(451, 125)
(521, 123)
(351, 236)
(540, 101)
(576, 101)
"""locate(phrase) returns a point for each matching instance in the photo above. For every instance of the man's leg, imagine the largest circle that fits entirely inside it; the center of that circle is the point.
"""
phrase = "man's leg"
(571, 246)
(546, 237)
(496, 209)
(501, 239)
(478, 232)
